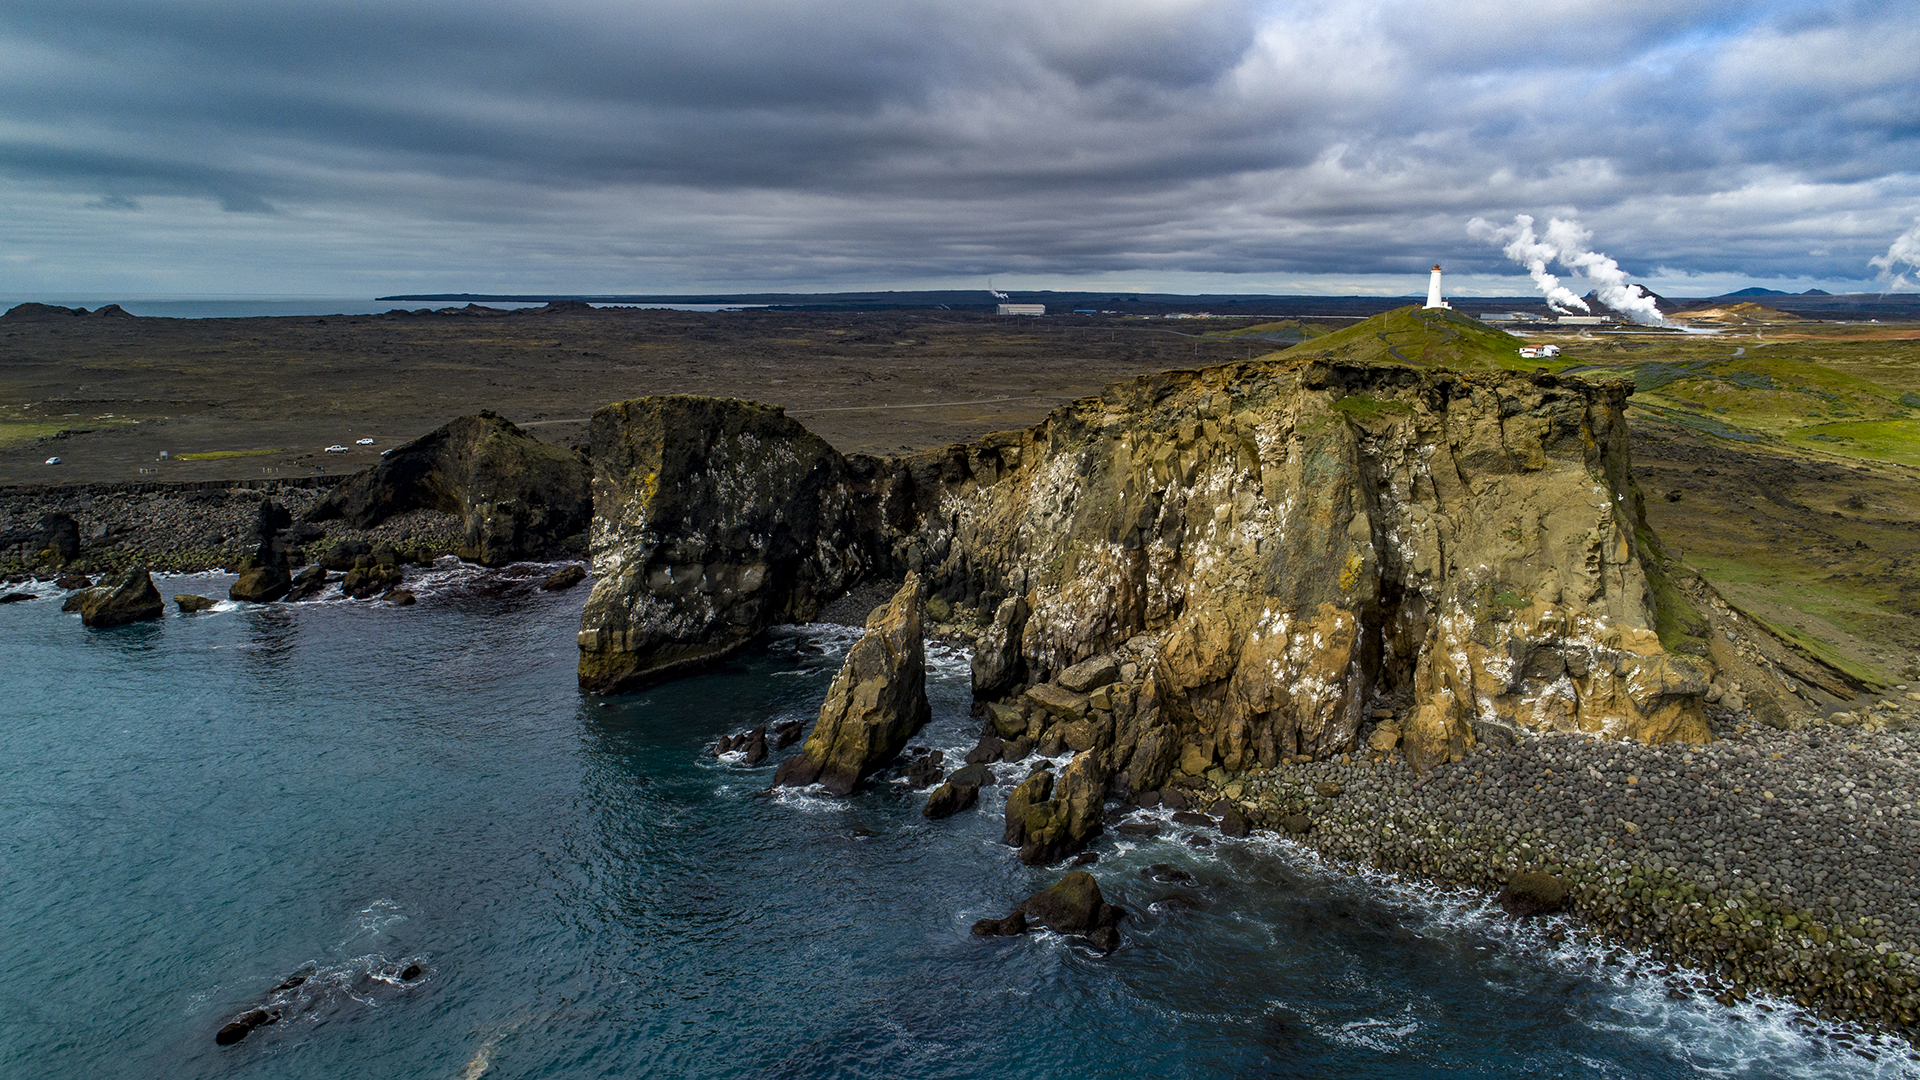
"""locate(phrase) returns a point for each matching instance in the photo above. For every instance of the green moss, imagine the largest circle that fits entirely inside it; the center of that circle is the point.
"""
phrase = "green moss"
(1681, 627)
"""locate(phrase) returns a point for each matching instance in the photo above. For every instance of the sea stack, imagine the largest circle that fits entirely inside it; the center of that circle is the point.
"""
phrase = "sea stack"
(876, 703)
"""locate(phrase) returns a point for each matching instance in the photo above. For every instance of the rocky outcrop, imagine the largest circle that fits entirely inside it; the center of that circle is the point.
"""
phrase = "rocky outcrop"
(190, 604)
(876, 703)
(517, 496)
(1264, 552)
(267, 574)
(123, 598)
(713, 521)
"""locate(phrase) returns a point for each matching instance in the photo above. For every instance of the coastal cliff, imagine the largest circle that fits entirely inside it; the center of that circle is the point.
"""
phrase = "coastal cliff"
(1296, 542)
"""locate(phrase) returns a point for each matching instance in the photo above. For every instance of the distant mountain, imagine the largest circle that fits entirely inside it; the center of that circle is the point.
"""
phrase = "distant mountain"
(1758, 291)
(1816, 292)
(1660, 303)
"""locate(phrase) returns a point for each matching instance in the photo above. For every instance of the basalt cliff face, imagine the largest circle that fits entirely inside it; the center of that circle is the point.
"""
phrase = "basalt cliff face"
(1266, 550)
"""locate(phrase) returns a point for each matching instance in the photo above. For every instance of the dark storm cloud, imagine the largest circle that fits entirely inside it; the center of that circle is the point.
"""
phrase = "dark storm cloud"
(661, 143)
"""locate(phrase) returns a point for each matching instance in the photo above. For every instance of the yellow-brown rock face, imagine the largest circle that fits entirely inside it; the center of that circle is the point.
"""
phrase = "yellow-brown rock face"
(1288, 544)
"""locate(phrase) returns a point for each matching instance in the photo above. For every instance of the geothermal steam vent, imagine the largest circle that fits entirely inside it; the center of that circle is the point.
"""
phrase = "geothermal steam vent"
(1283, 543)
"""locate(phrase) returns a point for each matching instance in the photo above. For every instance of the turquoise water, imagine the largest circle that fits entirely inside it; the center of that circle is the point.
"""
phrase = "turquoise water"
(198, 808)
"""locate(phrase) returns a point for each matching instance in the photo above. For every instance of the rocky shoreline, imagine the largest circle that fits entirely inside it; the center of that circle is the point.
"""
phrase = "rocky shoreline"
(1772, 862)
(190, 527)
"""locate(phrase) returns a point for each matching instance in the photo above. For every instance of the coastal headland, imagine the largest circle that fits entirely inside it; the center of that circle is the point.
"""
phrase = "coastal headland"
(1734, 797)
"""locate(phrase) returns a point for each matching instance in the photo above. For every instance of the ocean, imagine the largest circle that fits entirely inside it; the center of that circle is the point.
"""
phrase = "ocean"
(199, 810)
(226, 307)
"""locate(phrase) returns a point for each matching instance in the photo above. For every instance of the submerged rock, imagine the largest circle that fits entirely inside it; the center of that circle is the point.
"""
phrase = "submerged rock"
(124, 598)
(1072, 905)
(564, 578)
(877, 702)
(516, 495)
(308, 583)
(190, 604)
(949, 799)
(16, 597)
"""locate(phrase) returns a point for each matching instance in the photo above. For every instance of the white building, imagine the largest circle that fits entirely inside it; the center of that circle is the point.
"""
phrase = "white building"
(1539, 352)
(1023, 309)
(1433, 290)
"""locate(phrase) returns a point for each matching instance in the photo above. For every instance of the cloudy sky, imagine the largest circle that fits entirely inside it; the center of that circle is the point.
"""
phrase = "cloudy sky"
(266, 147)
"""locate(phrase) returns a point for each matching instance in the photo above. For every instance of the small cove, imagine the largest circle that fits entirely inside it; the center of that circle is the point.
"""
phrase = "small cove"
(199, 808)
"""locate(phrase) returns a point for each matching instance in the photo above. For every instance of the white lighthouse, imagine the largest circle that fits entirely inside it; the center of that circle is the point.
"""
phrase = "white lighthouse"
(1433, 290)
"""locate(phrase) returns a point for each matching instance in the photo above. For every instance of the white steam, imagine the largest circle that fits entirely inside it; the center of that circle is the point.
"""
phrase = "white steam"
(1566, 241)
(1904, 251)
(1527, 250)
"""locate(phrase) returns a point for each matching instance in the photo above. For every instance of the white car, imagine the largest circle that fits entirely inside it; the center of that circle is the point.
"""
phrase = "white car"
(336, 448)
(364, 442)
(53, 461)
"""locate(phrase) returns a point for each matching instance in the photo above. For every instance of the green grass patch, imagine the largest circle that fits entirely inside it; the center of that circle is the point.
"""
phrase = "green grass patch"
(1882, 440)
(1363, 407)
(21, 433)
(1430, 337)
(1826, 653)
(216, 455)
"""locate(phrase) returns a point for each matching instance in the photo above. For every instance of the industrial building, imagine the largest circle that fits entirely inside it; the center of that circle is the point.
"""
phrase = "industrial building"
(1023, 309)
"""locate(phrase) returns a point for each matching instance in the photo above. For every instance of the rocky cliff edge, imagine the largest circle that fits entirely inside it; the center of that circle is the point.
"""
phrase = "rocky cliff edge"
(1283, 545)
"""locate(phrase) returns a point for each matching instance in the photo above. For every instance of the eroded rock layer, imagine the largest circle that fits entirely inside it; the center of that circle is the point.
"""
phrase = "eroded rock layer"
(1276, 546)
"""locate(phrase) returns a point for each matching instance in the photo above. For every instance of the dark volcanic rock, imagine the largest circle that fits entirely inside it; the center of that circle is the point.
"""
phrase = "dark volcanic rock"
(189, 603)
(925, 771)
(564, 578)
(307, 583)
(15, 597)
(243, 1025)
(1072, 905)
(1011, 926)
(716, 519)
(399, 597)
(516, 495)
(371, 579)
(72, 581)
(268, 574)
(1234, 823)
(949, 799)
(123, 598)
(877, 702)
(60, 534)
(1532, 893)
(997, 664)
(977, 775)
(1035, 790)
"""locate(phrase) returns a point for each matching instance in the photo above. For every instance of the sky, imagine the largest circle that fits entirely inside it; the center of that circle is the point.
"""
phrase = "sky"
(257, 147)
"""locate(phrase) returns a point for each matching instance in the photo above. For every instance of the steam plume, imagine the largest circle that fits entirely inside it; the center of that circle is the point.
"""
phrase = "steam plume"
(1566, 241)
(1904, 251)
(1527, 250)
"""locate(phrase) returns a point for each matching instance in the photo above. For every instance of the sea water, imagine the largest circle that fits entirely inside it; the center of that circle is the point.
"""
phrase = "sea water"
(199, 810)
